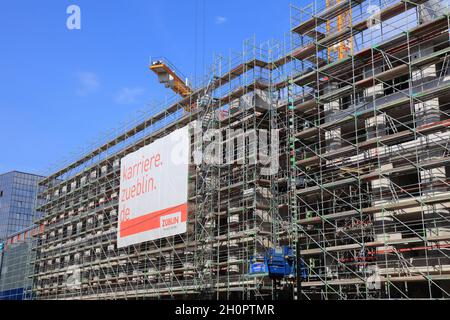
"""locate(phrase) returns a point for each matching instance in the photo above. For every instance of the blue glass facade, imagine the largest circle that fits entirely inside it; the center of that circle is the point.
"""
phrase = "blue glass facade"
(18, 192)
(15, 294)
(14, 270)
(17, 201)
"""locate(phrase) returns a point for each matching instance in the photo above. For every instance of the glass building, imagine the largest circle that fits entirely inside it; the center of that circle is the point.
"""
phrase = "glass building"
(17, 202)
(18, 192)
(15, 280)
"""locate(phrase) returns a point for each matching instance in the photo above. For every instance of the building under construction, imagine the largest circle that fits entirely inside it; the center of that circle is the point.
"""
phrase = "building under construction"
(356, 99)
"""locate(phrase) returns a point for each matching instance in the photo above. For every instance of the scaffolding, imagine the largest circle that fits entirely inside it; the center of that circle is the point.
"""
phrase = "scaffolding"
(361, 190)
(371, 142)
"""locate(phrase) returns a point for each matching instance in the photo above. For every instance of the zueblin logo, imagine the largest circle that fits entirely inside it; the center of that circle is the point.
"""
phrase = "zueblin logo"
(170, 221)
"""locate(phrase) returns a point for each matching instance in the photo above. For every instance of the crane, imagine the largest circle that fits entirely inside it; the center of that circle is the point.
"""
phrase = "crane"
(344, 20)
(171, 78)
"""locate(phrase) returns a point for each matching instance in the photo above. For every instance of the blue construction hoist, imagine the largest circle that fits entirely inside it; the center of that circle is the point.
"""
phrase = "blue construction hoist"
(276, 263)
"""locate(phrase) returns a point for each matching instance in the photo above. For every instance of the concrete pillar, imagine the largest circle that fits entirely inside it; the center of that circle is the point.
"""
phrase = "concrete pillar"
(376, 127)
(427, 113)
(262, 99)
(381, 188)
(169, 260)
(432, 179)
(376, 91)
(234, 106)
(332, 137)
(432, 185)
(384, 221)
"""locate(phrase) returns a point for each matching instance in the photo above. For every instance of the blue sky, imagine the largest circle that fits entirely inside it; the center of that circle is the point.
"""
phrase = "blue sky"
(60, 89)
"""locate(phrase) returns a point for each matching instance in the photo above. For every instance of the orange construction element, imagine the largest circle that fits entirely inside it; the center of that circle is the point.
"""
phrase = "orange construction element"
(170, 79)
(344, 20)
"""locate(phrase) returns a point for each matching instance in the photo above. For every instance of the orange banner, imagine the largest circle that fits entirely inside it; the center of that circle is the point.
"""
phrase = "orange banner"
(150, 221)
